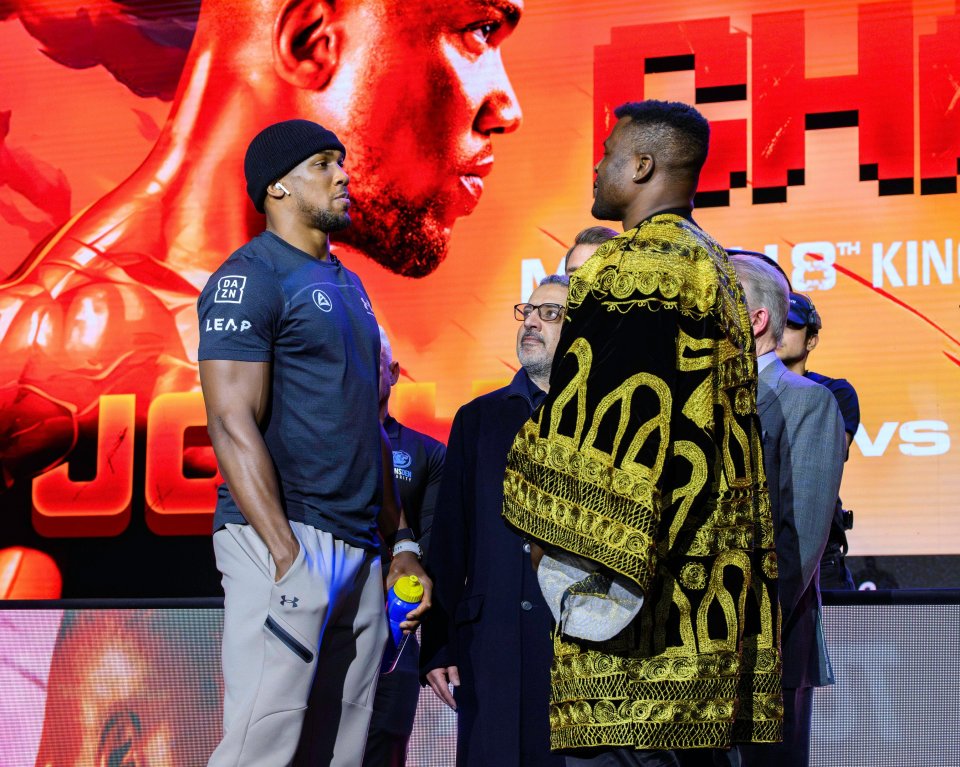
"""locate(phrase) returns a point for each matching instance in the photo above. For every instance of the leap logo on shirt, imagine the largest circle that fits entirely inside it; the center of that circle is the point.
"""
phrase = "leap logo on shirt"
(220, 324)
(322, 300)
(230, 289)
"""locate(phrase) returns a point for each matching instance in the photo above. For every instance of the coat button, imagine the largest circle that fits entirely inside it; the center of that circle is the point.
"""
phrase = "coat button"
(526, 605)
(526, 547)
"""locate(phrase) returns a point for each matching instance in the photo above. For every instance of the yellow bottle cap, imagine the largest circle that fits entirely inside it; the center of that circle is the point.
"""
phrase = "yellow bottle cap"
(408, 588)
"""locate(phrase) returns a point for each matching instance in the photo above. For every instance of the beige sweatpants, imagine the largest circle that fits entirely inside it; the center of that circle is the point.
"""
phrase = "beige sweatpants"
(314, 637)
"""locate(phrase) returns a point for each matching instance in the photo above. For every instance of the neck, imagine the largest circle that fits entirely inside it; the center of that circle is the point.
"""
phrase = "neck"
(209, 209)
(191, 186)
(765, 344)
(642, 209)
(309, 240)
(541, 382)
(797, 366)
(384, 410)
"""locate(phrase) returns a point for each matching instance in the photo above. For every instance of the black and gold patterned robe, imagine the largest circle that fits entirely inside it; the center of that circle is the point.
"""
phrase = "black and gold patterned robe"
(646, 458)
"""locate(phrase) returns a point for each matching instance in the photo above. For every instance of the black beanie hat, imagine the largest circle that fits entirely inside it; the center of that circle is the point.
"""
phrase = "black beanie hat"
(280, 147)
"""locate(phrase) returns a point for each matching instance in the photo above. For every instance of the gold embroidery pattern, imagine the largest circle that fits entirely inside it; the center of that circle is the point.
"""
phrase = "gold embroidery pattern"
(654, 470)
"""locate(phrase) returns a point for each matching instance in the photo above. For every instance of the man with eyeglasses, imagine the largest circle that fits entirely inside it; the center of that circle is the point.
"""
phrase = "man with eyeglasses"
(489, 630)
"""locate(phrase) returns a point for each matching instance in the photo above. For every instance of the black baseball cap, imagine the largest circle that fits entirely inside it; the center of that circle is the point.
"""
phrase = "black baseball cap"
(803, 313)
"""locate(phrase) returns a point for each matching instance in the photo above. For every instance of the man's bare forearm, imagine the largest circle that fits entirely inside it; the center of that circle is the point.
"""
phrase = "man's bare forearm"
(246, 465)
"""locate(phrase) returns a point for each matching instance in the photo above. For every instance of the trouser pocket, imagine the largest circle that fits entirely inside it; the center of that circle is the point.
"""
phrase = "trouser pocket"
(295, 645)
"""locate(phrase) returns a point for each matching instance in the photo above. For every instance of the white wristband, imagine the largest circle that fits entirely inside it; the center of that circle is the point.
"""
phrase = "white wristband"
(411, 546)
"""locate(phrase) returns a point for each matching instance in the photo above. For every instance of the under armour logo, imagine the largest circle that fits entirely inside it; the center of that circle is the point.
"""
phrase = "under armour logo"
(292, 600)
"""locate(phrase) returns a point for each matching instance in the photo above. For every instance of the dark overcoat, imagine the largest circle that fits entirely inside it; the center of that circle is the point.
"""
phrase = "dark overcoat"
(489, 618)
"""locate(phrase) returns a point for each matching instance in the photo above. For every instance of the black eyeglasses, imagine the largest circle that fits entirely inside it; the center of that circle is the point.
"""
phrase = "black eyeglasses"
(547, 312)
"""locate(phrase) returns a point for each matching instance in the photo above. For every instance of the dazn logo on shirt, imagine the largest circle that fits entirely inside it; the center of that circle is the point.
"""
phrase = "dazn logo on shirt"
(230, 289)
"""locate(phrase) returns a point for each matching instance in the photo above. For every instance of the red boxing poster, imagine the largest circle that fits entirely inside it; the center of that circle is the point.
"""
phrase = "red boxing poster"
(471, 130)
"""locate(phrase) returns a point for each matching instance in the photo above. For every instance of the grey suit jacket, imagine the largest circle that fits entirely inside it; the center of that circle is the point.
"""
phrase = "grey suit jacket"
(803, 450)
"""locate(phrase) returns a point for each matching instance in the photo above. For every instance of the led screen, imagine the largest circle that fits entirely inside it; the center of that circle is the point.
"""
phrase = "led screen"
(472, 130)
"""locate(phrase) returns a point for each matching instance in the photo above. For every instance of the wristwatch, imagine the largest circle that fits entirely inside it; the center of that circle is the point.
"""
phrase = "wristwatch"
(407, 545)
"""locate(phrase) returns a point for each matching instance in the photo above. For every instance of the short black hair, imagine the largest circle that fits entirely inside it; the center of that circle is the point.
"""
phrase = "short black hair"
(679, 130)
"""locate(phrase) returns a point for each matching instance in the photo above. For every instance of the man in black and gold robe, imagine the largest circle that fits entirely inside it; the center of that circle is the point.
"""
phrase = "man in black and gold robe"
(645, 463)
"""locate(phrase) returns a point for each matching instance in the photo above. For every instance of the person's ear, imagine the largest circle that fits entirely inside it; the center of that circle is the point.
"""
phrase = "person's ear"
(812, 342)
(307, 40)
(394, 372)
(121, 741)
(759, 319)
(643, 168)
(277, 191)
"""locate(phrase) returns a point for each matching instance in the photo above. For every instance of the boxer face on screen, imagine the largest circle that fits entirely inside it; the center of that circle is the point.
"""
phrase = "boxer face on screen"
(426, 92)
(417, 92)
(135, 688)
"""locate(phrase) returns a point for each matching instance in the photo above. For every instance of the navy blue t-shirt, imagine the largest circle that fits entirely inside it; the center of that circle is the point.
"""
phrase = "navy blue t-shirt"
(312, 319)
(846, 397)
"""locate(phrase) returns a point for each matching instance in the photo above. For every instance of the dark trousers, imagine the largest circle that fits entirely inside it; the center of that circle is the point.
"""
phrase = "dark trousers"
(794, 751)
(394, 709)
(835, 575)
(627, 757)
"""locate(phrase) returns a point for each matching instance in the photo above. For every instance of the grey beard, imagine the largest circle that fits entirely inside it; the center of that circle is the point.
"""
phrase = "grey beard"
(539, 369)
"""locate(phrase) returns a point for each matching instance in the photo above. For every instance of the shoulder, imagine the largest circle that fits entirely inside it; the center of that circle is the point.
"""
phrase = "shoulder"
(667, 258)
(486, 402)
(473, 413)
(802, 383)
(837, 385)
(802, 390)
(428, 443)
(352, 278)
(249, 261)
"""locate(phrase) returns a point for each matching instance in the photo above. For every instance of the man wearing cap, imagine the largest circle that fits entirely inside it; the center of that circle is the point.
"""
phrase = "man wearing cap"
(800, 337)
(803, 448)
(289, 364)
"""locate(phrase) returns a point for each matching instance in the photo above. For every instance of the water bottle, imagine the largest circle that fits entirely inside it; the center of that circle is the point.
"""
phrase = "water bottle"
(403, 597)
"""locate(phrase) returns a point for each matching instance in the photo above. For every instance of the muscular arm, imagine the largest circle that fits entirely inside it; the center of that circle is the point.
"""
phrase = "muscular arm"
(235, 395)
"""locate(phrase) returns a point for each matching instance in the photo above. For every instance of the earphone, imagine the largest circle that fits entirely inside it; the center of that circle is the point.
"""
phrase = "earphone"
(282, 188)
